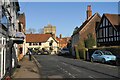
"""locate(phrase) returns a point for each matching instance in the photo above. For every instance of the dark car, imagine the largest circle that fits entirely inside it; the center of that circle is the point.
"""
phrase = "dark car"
(63, 52)
(45, 51)
(118, 60)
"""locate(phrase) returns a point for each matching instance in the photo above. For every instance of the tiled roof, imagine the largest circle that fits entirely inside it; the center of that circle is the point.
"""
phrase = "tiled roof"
(63, 40)
(37, 37)
(114, 19)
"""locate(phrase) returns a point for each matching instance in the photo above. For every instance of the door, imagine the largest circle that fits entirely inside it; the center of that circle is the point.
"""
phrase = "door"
(99, 56)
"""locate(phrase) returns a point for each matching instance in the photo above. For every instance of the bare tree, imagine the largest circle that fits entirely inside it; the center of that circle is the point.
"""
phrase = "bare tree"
(41, 30)
(30, 30)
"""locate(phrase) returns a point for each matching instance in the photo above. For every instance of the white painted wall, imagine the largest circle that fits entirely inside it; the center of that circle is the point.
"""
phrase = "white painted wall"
(44, 45)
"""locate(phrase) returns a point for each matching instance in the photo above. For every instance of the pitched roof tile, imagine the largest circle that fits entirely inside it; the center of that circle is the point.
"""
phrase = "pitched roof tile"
(37, 37)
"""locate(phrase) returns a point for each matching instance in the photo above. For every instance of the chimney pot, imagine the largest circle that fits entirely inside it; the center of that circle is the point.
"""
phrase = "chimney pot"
(89, 11)
(60, 35)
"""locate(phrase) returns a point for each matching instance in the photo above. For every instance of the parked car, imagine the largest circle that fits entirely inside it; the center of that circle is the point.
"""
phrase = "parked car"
(64, 51)
(103, 56)
(45, 51)
(118, 60)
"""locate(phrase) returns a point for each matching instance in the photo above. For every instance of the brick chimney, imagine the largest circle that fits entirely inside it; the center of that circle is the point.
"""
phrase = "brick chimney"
(89, 11)
(60, 35)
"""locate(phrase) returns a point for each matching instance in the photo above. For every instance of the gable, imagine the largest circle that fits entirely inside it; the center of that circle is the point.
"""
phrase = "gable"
(105, 22)
(51, 38)
(87, 22)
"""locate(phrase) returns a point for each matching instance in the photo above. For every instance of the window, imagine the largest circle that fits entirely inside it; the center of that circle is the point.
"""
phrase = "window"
(100, 32)
(0, 61)
(117, 38)
(114, 33)
(0, 40)
(4, 19)
(100, 25)
(110, 39)
(114, 38)
(106, 32)
(35, 44)
(106, 39)
(117, 34)
(106, 22)
(29, 44)
(39, 43)
(51, 42)
(110, 31)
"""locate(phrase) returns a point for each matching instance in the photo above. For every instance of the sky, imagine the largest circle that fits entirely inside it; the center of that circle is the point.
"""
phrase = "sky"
(64, 15)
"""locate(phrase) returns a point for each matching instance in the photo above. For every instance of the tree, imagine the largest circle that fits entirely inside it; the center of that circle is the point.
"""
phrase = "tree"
(41, 30)
(30, 30)
(90, 41)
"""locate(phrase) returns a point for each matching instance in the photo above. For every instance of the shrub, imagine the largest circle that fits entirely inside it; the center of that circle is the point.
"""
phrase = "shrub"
(90, 41)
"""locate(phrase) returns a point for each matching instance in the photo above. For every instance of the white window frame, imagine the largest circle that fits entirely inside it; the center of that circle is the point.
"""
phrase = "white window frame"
(3, 62)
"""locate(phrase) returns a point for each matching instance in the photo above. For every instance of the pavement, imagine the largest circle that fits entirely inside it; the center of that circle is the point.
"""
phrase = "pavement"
(28, 69)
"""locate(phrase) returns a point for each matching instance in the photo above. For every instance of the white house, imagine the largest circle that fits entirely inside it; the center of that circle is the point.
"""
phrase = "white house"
(41, 41)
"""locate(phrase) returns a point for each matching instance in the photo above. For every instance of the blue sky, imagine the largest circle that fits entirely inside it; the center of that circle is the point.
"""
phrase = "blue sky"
(64, 15)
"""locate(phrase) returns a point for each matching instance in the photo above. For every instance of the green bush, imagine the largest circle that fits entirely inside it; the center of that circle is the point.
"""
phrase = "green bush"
(90, 41)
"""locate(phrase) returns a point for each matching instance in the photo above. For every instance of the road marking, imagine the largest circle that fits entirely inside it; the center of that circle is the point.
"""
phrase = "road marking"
(64, 63)
(76, 69)
(91, 77)
(66, 71)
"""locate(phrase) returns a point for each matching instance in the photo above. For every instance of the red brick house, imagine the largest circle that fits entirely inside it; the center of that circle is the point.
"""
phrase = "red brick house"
(88, 27)
(62, 41)
(108, 30)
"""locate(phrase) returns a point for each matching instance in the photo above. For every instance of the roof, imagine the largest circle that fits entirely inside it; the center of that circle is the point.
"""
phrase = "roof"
(63, 40)
(114, 19)
(85, 23)
(37, 37)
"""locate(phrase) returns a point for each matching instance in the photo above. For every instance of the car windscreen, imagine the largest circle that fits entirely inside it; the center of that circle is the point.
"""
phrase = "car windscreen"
(107, 53)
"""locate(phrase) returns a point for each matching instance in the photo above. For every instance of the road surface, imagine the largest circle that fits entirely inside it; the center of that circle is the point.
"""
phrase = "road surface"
(53, 66)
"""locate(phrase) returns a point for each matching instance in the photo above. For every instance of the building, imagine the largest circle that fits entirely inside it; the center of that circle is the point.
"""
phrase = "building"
(62, 41)
(21, 28)
(87, 28)
(108, 30)
(49, 29)
(8, 39)
(45, 41)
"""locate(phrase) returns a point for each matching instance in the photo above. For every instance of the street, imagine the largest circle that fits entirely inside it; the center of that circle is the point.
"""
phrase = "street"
(53, 66)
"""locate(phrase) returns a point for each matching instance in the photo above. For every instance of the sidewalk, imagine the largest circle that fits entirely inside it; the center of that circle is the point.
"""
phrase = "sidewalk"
(28, 69)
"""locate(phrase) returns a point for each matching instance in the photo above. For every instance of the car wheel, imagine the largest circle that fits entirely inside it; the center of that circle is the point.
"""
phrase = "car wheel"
(92, 60)
(103, 60)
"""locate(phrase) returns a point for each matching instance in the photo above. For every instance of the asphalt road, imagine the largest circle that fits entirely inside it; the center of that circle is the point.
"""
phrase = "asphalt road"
(53, 66)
